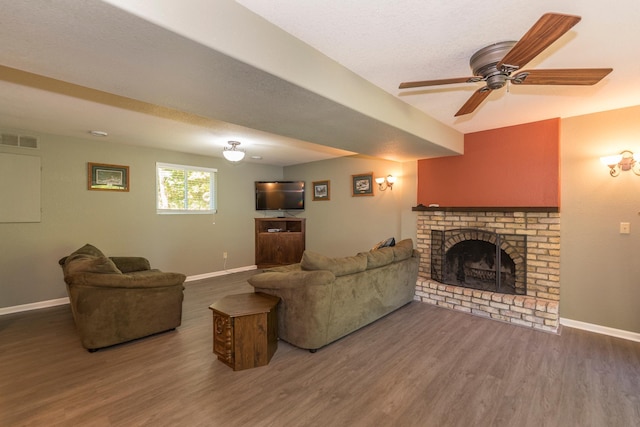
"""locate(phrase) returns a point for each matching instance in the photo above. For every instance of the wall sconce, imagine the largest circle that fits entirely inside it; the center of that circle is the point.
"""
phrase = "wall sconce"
(384, 183)
(621, 162)
(233, 153)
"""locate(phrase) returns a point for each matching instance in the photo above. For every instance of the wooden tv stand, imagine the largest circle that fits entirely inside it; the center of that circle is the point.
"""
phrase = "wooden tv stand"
(279, 241)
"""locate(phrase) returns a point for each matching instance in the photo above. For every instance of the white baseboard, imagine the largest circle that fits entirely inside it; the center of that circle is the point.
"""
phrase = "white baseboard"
(618, 333)
(34, 306)
(65, 300)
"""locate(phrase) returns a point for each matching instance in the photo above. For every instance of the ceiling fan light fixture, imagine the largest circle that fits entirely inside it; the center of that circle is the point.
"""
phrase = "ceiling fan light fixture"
(233, 153)
(496, 81)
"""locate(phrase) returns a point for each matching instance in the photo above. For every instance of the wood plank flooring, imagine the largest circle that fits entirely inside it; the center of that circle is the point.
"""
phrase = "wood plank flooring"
(419, 366)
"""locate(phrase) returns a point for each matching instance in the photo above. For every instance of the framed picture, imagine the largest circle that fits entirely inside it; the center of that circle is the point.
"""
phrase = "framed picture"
(362, 184)
(104, 177)
(321, 190)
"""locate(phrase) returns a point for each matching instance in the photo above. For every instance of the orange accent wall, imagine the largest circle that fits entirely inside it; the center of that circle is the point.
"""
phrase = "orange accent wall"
(515, 166)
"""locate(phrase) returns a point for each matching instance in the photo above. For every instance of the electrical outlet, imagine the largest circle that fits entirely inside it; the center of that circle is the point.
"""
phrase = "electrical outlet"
(625, 228)
(224, 255)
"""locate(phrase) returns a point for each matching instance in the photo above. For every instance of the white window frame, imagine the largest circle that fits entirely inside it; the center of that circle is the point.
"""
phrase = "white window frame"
(213, 203)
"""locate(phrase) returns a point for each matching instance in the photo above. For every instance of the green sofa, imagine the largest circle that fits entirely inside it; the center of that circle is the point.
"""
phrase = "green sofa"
(119, 299)
(323, 299)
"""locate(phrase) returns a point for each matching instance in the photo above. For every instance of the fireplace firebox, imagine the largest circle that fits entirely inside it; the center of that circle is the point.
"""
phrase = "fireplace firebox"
(480, 259)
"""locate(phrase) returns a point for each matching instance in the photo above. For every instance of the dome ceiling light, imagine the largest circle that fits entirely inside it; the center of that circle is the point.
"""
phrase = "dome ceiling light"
(233, 153)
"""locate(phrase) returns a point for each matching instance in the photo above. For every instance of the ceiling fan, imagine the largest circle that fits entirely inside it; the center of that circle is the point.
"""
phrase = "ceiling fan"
(499, 63)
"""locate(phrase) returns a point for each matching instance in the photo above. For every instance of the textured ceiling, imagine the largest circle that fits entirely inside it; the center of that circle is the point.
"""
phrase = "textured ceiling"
(193, 75)
(388, 42)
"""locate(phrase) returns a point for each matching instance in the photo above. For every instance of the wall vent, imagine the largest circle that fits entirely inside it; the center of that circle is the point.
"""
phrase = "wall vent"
(18, 140)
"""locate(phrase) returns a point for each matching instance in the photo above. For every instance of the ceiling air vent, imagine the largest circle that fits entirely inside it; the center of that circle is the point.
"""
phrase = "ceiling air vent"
(18, 140)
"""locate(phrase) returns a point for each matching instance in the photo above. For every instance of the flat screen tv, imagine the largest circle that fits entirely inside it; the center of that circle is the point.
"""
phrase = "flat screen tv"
(279, 195)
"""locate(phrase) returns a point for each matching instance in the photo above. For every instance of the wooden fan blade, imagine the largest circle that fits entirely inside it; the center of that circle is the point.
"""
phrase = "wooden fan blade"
(576, 76)
(407, 85)
(473, 102)
(549, 28)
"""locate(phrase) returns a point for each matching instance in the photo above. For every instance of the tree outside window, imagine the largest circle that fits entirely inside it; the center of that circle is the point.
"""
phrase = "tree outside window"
(185, 189)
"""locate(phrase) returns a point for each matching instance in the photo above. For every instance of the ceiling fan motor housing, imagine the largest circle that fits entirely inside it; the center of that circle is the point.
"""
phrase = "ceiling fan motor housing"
(483, 63)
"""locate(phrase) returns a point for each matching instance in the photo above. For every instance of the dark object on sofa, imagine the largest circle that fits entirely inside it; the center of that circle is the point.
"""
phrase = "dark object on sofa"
(119, 299)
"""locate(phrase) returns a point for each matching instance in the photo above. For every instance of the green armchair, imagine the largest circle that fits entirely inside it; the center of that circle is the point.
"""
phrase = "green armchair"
(119, 299)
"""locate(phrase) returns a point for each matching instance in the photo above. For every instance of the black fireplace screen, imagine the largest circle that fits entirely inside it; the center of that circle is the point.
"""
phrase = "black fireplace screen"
(480, 259)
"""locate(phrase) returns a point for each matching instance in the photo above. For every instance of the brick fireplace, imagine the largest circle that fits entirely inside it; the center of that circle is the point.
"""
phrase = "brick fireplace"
(535, 303)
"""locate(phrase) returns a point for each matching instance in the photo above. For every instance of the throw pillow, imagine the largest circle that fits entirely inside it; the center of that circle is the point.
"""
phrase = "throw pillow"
(89, 259)
(88, 250)
(83, 263)
(385, 243)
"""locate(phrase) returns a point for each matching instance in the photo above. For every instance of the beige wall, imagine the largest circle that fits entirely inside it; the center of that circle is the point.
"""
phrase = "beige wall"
(346, 225)
(126, 223)
(600, 268)
(122, 223)
(409, 219)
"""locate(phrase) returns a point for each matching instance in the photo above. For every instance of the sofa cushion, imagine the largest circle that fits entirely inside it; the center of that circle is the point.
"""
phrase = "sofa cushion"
(82, 263)
(283, 268)
(402, 250)
(89, 259)
(379, 257)
(338, 266)
(131, 264)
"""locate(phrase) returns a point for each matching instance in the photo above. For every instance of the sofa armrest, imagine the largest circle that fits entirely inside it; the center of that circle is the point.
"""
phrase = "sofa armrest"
(141, 279)
(129, 264)
(291, 279)
(305, 304)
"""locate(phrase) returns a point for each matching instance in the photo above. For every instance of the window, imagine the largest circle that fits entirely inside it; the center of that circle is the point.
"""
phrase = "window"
(185, 189)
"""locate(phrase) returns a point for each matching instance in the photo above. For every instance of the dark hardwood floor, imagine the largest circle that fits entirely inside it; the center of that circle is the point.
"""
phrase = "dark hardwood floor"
(419, 366)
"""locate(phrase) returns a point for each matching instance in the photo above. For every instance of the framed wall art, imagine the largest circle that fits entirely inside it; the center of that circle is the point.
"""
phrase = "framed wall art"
(362, 184)
(321, 190)
(105, 177)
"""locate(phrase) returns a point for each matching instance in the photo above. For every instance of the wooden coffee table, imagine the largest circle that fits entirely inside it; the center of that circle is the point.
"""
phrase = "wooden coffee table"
(245, 329)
